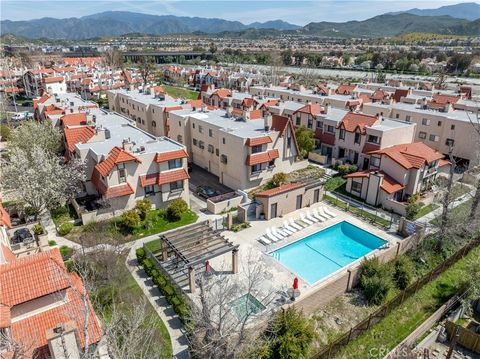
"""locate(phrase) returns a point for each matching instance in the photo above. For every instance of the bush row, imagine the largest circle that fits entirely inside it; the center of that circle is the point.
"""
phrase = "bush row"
(174, 298)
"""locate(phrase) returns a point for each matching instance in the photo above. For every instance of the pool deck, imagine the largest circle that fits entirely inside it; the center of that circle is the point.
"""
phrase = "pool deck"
(281, 277)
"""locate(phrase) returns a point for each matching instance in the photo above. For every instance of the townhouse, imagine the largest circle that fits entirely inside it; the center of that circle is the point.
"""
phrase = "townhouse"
(437, 125)
(244, 151)
(149, 108)
(395, 174)
(44, 308)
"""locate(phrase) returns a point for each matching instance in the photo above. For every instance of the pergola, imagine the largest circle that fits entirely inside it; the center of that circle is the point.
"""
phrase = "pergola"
(195, 245)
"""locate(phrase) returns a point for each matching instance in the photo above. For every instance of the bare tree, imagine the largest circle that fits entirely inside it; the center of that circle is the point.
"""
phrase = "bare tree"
(308, 78)
(113, 59)
(441, 80)
(275, 68)
(146, 66)
(475, 121)
(222, 328)
(447, 199)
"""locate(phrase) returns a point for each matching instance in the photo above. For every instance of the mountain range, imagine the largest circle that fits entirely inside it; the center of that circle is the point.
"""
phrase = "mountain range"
(468, 11)
(116, 23)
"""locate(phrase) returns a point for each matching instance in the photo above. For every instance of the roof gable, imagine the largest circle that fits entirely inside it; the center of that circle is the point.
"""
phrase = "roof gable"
(117, 155)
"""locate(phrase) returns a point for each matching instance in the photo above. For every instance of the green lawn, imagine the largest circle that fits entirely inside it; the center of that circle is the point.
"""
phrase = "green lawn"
(459, 189)
(335, 183)
(426, 209)
(61, 215)
(179, 92)
(156, 223)
(459, 211)
(415, 310)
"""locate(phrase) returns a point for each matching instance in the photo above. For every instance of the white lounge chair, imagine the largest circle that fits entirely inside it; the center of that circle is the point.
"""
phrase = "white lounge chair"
(278, 232)
(310, 217)
(289, 227)
(328, 213)
(271, 236)
(295, 224)
(286, 230)
(264, 240)
(304, 219)
(321, 217)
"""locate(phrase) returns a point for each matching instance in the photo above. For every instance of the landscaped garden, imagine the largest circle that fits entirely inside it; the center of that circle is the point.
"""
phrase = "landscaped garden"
(136, 223)
(180, 92)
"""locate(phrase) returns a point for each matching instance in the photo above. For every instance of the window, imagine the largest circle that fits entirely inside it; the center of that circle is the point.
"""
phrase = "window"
(449, 142)
(180, 138)
(422, 135)
(210, 132)
(179, 123)
(373, 139)
(298, 121)
(310, 123)
(341, 135)
(434, 138)
(452, 127)
(122, 175)
(210, 148)
(357, 138)
(176, 163)
(200, 129)
(256, 168)
(320, 125)
(193, 125)
(357, 187)
(149, 190)
(397, 115)
(154, 124)
(223, 159)
(223, 140)
(425, 121)
(375, 161)
(256, 149)
(439, 123)
(217, 151)
(201, 144)
(271, 163)
(330, 129)
(177, 185)
(195, 142)
(289, 141)
(407, 118)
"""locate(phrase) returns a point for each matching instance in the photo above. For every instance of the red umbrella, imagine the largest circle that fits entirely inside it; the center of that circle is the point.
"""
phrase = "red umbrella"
(295, 283)
(207, 267)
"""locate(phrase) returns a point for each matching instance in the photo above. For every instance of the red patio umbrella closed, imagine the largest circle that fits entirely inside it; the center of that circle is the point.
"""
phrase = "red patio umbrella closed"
(295, 283)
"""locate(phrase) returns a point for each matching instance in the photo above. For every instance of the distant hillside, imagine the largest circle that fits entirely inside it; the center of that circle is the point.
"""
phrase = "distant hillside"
(468, 11)
(275, 24)
(115, 23)
(392, 25)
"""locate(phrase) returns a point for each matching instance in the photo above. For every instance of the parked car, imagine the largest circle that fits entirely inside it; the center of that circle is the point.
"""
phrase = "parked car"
(22, 235)
(21, 116)
(205, 192)
(27, 104)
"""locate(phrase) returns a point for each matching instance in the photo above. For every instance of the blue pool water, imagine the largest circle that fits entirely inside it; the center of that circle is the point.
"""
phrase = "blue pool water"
(322, 253)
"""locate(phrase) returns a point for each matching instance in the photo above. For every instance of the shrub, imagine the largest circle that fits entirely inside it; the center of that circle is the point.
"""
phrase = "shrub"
(370, 267)
(347, 169)
(279, 178)
(148, 265)
(5, 132)
(168, 290)
(403, 272)
(412, 209)
(130, 219)
(141, 255)
(38, 229)
(376, 288)
(66, 252)
(52, 243)
(143, 206)
(70, 265)
(176, 209)
(29, 211)
(65, 228)
(160, 281)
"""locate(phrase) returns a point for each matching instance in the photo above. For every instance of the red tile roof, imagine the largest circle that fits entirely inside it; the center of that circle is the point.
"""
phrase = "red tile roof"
(279, 190)
(345, 89)
(444, 99)
(389, 185)
(32, 277)
(121, 190)
(50, 80)
(328, 138)
(312, 109)
(5, 317)
(74, 119)
(5, 217)
(352, 120)
(369, 147)
(165, 177)
(74, 135)
(399, 93)
(411, 155)
(258, 141)
(117, 155)
(8, 255)
(172, 155)
(262, 157)
(279, 123)
(222, 93)
(378, 95)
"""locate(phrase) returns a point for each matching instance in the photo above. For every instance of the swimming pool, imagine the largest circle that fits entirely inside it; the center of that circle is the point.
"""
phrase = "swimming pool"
(324, 252)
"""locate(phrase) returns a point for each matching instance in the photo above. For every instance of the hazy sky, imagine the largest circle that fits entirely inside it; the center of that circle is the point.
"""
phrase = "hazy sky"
(246, 11)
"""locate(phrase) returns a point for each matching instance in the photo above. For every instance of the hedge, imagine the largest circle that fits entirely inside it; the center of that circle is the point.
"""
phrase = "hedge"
(174, 298)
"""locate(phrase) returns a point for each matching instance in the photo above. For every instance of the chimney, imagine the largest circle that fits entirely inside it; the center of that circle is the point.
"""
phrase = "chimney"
(229, 111)
(246, 115)
(127, 145)
(63, 341)
(268, 122)
(326, 107)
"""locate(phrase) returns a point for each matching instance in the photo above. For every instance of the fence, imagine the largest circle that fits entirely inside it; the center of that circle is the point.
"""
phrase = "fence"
(360, 209)
(388, 307)
(466, 337)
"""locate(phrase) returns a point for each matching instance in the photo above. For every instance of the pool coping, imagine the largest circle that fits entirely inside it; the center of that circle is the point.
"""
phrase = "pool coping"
(346, 267)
